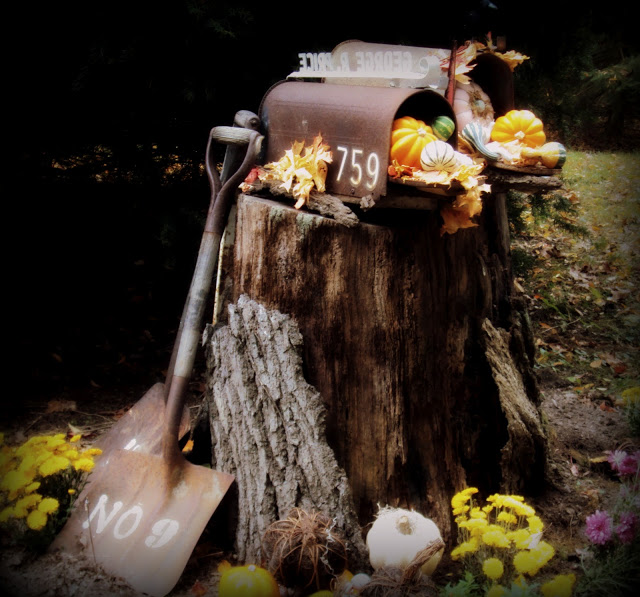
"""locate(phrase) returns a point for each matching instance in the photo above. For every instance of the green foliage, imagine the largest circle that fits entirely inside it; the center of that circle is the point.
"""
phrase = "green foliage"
(465, 587)
(590, 95)
(613, 572)
(555, 209)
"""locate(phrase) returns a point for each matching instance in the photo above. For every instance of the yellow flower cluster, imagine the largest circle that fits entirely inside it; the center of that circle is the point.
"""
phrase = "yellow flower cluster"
(41, 459)
(503, 541)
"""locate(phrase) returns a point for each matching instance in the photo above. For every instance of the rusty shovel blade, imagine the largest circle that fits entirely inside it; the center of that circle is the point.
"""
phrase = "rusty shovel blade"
(141, 519)
(140, 428)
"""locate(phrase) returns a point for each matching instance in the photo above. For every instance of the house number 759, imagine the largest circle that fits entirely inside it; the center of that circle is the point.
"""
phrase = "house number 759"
(358, 168)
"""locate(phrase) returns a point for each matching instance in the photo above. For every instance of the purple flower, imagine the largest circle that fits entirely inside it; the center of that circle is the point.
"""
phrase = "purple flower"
(616, 458)
(626, 527)
(599, 527)
(623, 463)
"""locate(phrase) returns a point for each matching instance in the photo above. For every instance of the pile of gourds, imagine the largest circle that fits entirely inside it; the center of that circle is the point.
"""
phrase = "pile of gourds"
(416, 144)
(516, 138)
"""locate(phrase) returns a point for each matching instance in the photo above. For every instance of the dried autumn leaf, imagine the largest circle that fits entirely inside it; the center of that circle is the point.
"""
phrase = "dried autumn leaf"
(301, 169)
(512, 58)
(464, 56)
(455, 219)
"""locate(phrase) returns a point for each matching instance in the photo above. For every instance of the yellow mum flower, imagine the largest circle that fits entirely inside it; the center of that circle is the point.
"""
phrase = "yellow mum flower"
(535, 524)
(495, 538)
(92, 452)
(507, 517)
(48, 505)
(33, 443)
(462, 497)
(71, 491)
(560, 585)
(460, 510)
(36, 520)
(477, 513)
(496, 591)
(15, 481)
(55, 442)
(53, 465)
(23, 505)
(32, 487)
(6, 514)
(493, 568)
(83, 464)
(76, 438)
(476, 526)
(544, 552)
(520, 538)
(529, 562)
(464, 548)
(521, 509)
(71, 454)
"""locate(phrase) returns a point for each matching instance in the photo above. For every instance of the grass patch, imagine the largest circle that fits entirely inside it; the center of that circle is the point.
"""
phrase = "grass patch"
(576, 254)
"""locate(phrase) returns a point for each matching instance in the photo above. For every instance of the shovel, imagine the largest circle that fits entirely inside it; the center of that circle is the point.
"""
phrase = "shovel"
(140, 428)
(142, 514)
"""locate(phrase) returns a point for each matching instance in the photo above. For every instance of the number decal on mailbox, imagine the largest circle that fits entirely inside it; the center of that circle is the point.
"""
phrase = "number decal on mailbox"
(359, 169)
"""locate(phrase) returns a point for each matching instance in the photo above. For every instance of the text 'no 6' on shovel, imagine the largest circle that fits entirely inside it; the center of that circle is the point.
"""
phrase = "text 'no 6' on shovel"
(142, 514)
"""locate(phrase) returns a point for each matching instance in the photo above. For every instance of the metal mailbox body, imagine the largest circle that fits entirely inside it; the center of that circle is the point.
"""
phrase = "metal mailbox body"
(355, 121)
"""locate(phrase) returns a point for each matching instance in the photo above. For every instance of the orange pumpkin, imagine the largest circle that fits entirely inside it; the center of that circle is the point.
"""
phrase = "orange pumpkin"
(248, 581)
(519, 125)
(408, 138)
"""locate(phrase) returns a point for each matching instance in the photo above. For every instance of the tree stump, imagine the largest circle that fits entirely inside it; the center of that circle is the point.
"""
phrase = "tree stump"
(414, 342)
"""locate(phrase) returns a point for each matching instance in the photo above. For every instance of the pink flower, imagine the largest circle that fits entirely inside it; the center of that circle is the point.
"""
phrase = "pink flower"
(599, 527)
(626, 527)
(616, 458)
(623, 463)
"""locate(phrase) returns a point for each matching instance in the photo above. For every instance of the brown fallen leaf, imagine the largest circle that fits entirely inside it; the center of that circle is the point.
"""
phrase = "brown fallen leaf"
(57, 406)
(198, 589)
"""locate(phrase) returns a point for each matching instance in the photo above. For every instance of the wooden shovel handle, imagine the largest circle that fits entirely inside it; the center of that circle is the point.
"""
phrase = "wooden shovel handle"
(201, 284)
(235, 138)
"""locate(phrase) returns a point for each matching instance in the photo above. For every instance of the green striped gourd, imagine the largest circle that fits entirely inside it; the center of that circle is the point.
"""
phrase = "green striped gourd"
(443, 127)
(476, 135)
(438, 155)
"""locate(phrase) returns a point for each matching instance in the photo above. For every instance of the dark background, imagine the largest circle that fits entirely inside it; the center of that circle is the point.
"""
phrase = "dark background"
(101, 98)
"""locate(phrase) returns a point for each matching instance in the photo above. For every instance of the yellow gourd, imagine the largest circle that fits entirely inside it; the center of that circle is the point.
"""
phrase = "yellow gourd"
(519, 125)
(248, 581)
(552, 155)
(408, 138)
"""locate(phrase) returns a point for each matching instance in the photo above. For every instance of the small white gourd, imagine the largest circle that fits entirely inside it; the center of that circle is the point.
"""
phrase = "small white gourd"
(438, 155)
(398, 535)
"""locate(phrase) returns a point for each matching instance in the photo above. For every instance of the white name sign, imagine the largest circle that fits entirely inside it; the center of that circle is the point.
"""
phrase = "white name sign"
(355, 60)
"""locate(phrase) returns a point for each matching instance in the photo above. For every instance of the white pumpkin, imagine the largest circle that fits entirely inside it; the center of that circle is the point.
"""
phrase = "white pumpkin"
(438, 155)
(472, 104)
(398, 535)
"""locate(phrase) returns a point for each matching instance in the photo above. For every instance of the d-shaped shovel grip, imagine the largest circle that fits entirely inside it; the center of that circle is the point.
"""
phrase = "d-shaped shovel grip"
(202, 277)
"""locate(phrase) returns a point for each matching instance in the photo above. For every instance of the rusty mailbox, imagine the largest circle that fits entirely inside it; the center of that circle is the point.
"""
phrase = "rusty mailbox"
(351, 97)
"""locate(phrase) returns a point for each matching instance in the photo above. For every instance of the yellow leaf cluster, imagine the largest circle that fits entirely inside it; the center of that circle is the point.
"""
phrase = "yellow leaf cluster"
(469, 51)
(301, 169)
(466, 205)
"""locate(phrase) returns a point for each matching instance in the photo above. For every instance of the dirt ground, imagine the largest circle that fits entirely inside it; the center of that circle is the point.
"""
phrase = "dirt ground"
(580, 427)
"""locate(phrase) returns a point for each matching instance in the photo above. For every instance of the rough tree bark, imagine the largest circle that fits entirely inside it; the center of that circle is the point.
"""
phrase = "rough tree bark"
(414, 342)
